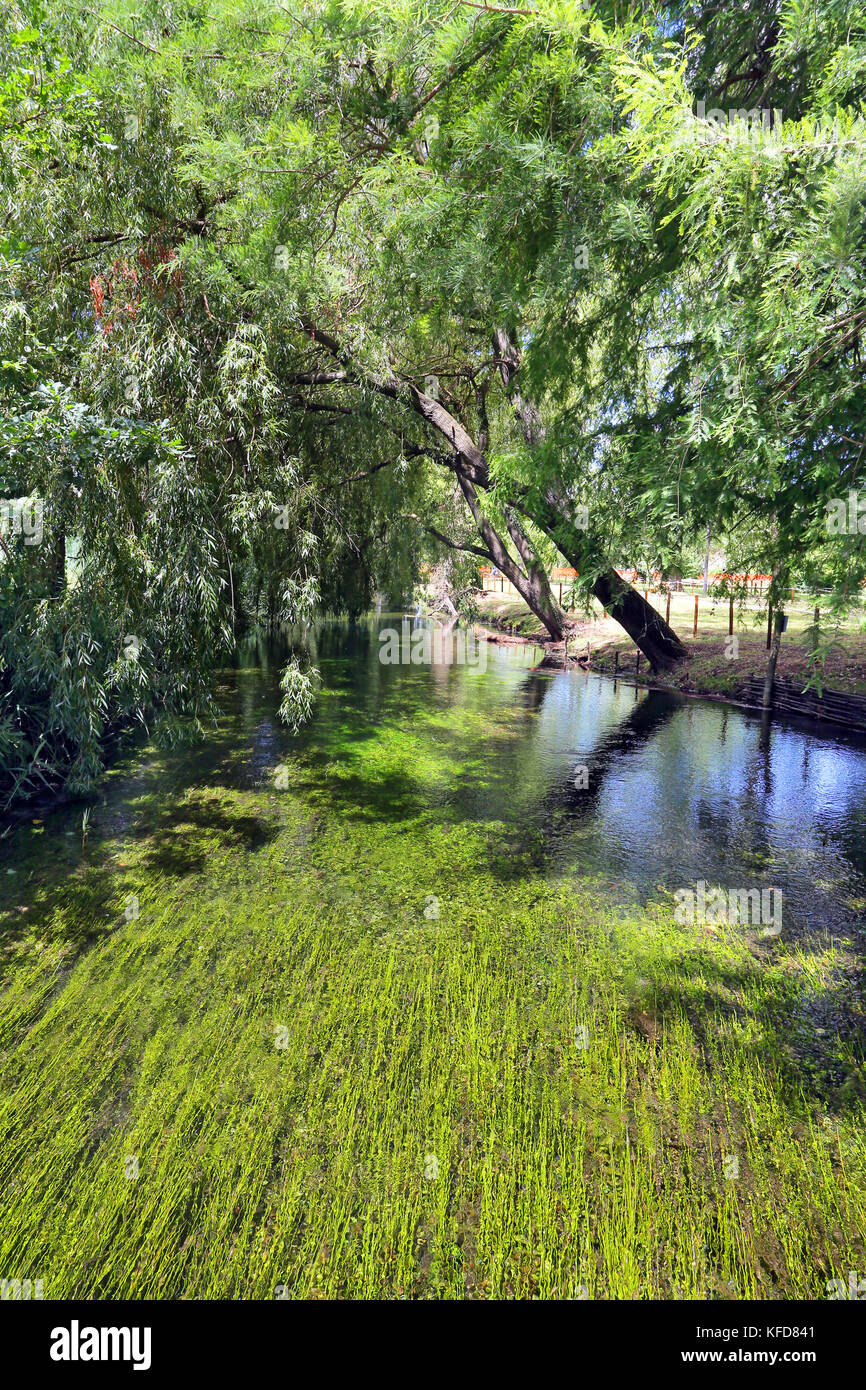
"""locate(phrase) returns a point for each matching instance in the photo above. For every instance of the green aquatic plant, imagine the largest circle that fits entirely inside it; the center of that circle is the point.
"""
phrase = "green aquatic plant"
(353, 1044)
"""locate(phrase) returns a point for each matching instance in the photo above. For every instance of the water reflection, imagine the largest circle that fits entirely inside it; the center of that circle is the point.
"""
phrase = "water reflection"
(677, 790)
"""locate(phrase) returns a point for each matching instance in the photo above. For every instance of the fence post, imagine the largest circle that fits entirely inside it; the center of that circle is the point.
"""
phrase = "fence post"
(668, 608)
(695, 631)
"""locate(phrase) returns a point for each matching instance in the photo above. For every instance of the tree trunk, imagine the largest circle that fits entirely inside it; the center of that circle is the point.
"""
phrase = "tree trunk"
(647, 629)
(541, 599)
(770, 679)
(644, 625)
(543, 604)
(533, 586)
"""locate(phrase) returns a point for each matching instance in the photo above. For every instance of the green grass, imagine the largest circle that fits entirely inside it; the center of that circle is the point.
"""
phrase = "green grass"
(711, 668)
(510, 613)
(426, 1125)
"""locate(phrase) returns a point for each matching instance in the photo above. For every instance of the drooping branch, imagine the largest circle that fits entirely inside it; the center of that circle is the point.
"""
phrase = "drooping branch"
(368, 473)
(472, 461)
(446, 540)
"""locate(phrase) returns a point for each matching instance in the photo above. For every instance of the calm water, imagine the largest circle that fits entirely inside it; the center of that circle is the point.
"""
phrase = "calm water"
(677, 790)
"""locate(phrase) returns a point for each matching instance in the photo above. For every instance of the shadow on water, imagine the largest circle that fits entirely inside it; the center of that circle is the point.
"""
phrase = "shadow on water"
(580, 795)
(175, 845)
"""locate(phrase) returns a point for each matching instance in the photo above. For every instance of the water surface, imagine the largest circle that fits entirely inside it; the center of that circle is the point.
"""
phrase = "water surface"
(676, 790)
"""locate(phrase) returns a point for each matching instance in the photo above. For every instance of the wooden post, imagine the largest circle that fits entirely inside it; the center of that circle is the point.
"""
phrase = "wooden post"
(560, 595)
(668, 608)
(695, 631)
(637, 662)
(770, 679)
(616, 660)
(731, 617)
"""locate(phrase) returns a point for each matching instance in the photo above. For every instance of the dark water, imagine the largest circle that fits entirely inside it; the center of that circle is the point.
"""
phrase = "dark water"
(676, 790)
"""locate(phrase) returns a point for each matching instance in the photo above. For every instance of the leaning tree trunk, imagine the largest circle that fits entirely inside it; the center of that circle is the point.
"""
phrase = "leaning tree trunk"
(644, 625)
(533, 585)
(539, 593)
(543, 604)
(647, 629)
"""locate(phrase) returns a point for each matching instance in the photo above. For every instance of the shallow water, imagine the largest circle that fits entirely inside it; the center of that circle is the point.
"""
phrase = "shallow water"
(676, 790)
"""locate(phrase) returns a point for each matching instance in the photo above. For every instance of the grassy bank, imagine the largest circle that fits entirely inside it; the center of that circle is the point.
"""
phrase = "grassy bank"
(510, 614)
(353, 1048)
(711, 667)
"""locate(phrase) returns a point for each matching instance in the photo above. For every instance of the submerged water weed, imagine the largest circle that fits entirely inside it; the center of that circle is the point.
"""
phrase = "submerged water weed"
(329, 1091)
(353, 1042)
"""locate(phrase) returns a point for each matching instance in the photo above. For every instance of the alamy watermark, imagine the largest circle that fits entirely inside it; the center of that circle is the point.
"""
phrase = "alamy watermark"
(854, 1287)
(846, 518)
(743, 906)
(23, 1289)
(739, 124)
(425, 646)
(22, 516)
(76, 1343)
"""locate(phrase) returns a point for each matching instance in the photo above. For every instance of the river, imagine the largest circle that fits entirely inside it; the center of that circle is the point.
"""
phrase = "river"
(643, 789)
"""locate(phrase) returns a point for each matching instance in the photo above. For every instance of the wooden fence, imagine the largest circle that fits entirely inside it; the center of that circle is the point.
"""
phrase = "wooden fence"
(831, 706)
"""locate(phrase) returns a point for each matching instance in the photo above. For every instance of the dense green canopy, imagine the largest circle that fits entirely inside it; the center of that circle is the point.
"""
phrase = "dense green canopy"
(298, 297)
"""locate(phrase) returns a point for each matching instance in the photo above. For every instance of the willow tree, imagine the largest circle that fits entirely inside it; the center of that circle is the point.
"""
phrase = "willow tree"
(335, 168)
(271, 271)
(760, 390)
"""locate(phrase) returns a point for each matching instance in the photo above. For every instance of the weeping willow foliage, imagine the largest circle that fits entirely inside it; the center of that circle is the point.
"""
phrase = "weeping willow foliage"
(238, 241)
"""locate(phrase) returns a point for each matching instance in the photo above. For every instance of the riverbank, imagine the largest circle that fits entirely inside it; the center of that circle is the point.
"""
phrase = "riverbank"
(342, 1040)
(599, 644)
